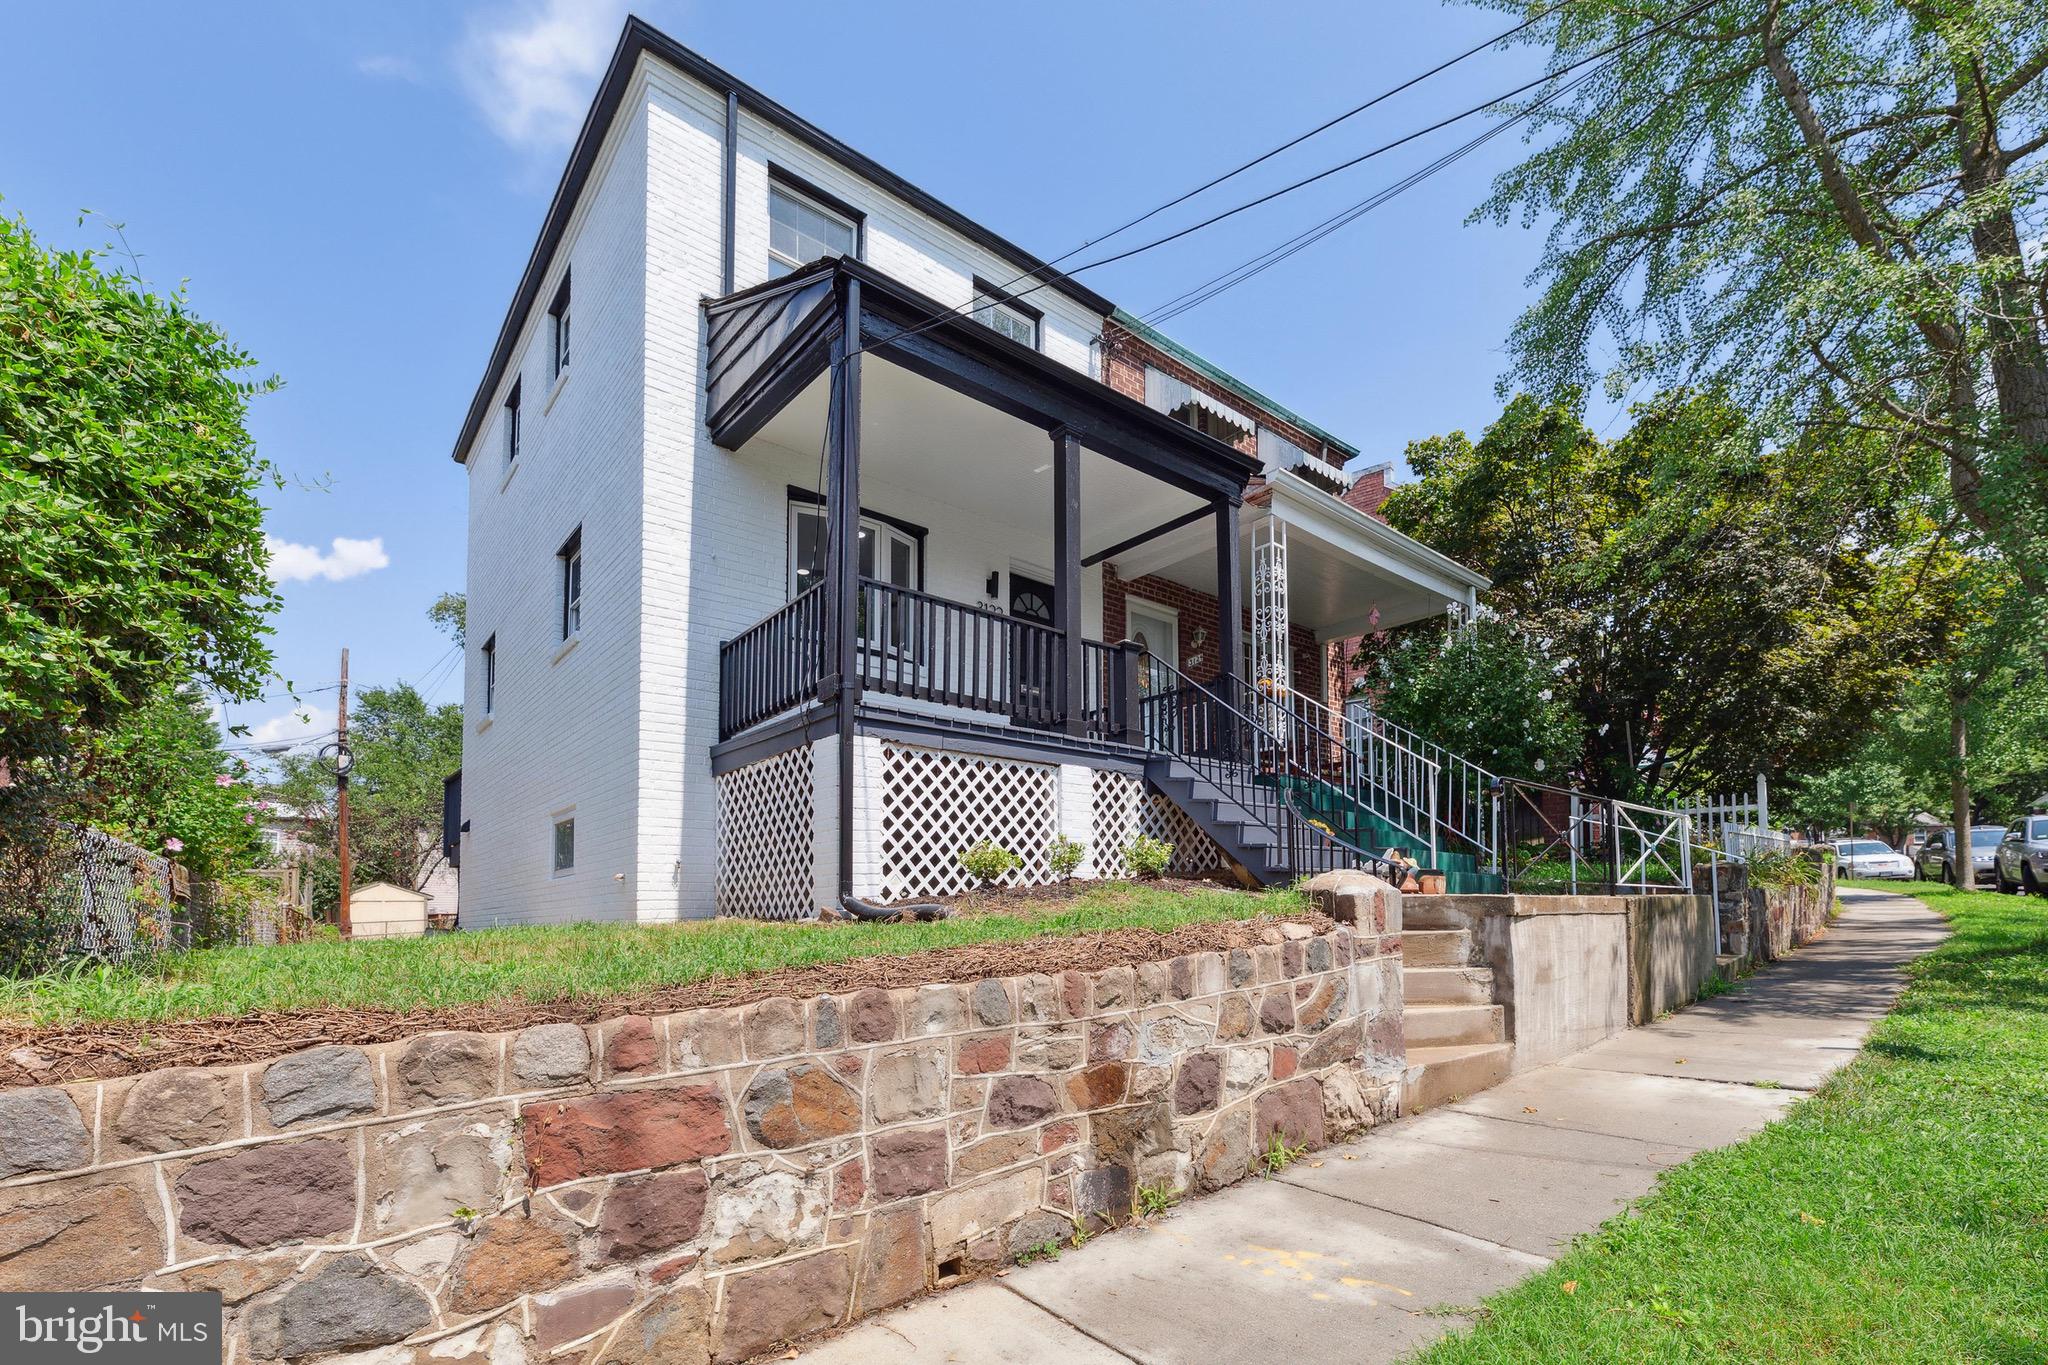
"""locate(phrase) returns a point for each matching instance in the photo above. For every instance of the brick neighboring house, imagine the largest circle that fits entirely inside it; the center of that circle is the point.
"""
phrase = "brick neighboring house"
(1129, 350)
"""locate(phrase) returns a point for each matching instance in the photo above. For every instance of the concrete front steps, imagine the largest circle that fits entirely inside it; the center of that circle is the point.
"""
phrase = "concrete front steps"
(1457, 1036)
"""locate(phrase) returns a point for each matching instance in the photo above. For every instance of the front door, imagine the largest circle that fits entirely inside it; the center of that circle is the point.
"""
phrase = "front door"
(1032, 679)
(1157, 631)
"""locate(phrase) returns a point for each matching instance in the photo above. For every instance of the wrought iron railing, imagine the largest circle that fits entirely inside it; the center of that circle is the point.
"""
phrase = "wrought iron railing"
(912, 644)
(1219, 730)
(773, 665)
(1560, 841)
(1465, 805)
(1392, 779)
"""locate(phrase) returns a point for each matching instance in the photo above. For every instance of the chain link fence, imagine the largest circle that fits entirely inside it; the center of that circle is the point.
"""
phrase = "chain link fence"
(113, 903)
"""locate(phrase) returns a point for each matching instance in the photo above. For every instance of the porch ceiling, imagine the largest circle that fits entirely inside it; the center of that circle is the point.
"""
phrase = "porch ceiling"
(1339, 568)
(769, 343)
(916, 433)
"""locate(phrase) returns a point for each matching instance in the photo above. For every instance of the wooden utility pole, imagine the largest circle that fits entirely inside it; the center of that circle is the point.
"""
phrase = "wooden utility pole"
(341, 793)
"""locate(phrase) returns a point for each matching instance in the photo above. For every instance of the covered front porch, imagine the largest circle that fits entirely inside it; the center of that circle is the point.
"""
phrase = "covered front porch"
(985, 552)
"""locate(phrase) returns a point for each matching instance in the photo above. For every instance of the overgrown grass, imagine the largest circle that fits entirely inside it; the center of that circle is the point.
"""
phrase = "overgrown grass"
(578, 961)
(1900, 1214)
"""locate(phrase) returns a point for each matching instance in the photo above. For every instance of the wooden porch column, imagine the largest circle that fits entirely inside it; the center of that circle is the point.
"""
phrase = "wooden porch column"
(1066, 577)
(1229, 597)
(842, 565)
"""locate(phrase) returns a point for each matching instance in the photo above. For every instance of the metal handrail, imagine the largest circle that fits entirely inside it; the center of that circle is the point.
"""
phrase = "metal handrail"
(1467, 806)
(1400, 781)
(1234, 750)
(1659, 840)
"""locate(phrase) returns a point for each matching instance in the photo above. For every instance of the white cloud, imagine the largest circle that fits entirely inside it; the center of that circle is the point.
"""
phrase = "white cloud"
(532, 73)
(389, 66)
(301, 722)
(292, 563)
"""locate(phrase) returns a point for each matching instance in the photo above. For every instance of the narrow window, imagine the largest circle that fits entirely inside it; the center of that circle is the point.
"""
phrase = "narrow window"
(558, 317)
(1001, 312)
(800, 230)
(571, 556)
(490, 652)
(512, 424)
(565, 844)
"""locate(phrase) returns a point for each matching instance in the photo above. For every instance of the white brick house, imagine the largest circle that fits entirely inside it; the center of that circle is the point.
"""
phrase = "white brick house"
(664, 718)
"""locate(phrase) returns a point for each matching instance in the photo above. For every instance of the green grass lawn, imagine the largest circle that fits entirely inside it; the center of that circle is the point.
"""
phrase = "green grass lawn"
(1900, 1214)
(581, 961)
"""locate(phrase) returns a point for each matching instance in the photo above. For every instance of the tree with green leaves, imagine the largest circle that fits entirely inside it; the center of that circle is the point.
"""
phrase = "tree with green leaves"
(133, 561)
(1483, 691)
(403, 749)
(1823, 209)
(450, 615)
(1719, 607)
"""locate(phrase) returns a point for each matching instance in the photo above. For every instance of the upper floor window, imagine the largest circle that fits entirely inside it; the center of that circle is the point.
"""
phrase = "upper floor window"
(565, 844)
(1004, 313)
(490, 653)
(558, 326)
(571, 557)
(801, 229)
(512, 424)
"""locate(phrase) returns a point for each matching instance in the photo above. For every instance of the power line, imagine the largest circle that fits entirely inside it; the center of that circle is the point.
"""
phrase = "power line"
(950, 315)
(1320, 128)
(1238, 274)
(974, 309)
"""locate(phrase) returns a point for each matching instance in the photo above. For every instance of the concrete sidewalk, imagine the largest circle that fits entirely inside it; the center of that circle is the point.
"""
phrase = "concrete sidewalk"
(1359, 1251)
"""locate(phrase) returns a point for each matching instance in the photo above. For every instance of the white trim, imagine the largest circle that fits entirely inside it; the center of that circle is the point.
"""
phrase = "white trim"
(1396, 551)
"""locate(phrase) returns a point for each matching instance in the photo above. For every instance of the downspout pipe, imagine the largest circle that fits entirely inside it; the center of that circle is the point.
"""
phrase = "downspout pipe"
(730, 210)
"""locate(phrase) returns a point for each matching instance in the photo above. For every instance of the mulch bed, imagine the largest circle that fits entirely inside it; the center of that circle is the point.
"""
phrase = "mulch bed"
(100, 1051)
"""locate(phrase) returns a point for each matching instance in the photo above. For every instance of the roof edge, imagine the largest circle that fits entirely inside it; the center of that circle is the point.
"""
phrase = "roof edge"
(637, 37)
(1219, 375)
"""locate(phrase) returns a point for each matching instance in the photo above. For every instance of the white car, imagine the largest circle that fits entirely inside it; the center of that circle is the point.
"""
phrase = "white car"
(1871, 858)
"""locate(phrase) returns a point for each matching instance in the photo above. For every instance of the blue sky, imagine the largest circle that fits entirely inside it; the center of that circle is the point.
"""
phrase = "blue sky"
(351, 190)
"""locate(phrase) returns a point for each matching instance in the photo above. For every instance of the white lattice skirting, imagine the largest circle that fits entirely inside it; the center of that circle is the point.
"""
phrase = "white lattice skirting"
(935, 804)
(765, 838)
(1123, 809)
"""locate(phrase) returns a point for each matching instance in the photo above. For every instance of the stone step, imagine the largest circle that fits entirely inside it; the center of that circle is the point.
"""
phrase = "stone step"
(1451, 1025)
(1447, 985)
(1436, 947)
(1439, 1075)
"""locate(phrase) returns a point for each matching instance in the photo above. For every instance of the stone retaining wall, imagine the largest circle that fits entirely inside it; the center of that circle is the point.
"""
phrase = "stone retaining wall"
(695, 1186)
(1761, 924)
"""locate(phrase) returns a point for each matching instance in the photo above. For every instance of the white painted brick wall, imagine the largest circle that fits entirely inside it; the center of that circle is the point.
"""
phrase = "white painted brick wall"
(563, 732)
(685, 544)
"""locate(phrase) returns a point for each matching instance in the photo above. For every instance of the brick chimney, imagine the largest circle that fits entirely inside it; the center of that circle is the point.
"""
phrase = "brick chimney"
(1370, 489)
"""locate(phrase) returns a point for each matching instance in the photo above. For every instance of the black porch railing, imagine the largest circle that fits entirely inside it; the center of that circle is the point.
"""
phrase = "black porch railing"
(773, 665)
(1240, 742)
(913, 644)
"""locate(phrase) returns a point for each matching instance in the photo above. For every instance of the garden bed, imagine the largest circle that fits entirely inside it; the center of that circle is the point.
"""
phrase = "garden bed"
(227, 1006)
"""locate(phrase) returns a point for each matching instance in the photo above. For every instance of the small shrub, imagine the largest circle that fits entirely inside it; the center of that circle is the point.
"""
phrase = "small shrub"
(1278, 1156)
(1063, 855)
(987, 863)
(1149, 857)
(1153, 1200)
(1045, 1251)
(1778, 868)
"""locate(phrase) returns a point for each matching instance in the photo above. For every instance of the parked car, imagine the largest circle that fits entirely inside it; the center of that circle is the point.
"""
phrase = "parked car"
(1871, 858)
(1936, 859)
(2021, 863)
